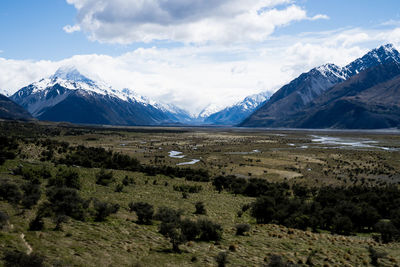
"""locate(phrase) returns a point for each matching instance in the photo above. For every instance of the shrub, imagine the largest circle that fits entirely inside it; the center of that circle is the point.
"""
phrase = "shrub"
(241, 229)
(222, 259)
(32, 194)
(190, 229)
(165, 214)
(67, 201)
(143, 210)
(387, 231)
(20, 259)
(209, 231)
(3, 219)
(10, 192)
(200, 208)
(104, 209)
(104, 178)
(37, 224)
(59, 220)
(119, 188)
(128, 181)
(263, 209)
(66, 177)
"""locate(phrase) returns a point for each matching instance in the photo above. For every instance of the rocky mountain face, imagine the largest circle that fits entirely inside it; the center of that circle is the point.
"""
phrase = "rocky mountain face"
(9, 110)
(70, 96)
(284, 107)
(236, 113)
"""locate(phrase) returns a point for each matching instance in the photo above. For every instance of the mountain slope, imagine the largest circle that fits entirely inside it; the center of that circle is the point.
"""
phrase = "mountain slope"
(238, 112)
(70, 96)
(293, 97)
(12, 111)
(369, 100)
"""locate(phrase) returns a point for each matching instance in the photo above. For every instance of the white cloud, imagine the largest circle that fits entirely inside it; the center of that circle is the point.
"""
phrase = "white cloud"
(71, 29)
(188, 21)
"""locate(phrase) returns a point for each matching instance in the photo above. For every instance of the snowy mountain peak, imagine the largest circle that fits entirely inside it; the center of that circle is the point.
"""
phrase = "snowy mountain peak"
(330, 69)
(70, 73)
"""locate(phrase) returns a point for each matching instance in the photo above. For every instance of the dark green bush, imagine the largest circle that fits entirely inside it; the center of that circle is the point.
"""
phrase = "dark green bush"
(104, 178)
(104, 209)
(143, 210)
(200, 208)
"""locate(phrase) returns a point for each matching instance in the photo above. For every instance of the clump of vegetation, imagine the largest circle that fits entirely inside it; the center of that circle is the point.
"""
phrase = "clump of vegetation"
(3, 220)
(104, 209)
(144, 211)
(222, 259)
(341, 210)
(375, 255)
(15, 258)
(8, 147)
(200, 208)
(67, 201)
(242, 228)
(10, 192)
(32, 194)
(66, 177)
(104, 178)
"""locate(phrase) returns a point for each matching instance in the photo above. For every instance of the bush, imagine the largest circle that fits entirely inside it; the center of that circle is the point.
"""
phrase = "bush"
(10, 192)
(277, 261)
(190, 229)
(143, 210)
(200, 208)
(3, 219)
(128, 181)
(66, 178)
(209, 231)
(32, 194)
(37, 224)
(165, 214)
(387, 231)
(104, 209)
(263, 209)
(222, 259)
(67, 201)
(20, 259)
(241, 229)
(104, 178)
(119, 188)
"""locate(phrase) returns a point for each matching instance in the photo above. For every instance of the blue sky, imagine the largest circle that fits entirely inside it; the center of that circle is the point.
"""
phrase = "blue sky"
(211, 51)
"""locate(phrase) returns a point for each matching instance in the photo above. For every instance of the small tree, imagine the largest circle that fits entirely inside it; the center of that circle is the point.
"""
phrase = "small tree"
(37, 224)
(200, 208)
(104, 209)
(143, 210)
(387, 230)
(209, 231)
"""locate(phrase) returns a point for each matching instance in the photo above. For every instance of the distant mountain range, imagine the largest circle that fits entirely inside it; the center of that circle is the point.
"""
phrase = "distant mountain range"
(330, 96)
(70, 96)
(236, 113)
(365, 94)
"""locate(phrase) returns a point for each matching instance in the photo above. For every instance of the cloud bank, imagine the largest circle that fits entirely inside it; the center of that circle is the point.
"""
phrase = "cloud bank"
(187, 21)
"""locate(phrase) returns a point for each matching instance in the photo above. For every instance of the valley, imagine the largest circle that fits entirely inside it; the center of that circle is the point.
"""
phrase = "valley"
(313, 160)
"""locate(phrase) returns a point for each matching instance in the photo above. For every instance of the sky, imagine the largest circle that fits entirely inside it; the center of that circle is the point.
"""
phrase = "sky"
(191, 53)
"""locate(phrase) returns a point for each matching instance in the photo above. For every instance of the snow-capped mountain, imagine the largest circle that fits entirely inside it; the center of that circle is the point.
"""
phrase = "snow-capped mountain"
(70, 96)
(236, 113)
(293, 97)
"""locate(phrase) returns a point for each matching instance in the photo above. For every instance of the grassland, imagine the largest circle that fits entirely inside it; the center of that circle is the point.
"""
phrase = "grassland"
(276, 156)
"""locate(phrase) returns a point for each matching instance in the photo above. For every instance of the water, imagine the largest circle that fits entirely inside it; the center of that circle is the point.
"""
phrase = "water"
(194, 161)
(176, 154)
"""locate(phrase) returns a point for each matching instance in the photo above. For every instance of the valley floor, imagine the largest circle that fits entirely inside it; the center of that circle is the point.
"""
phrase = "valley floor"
(312, 159)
